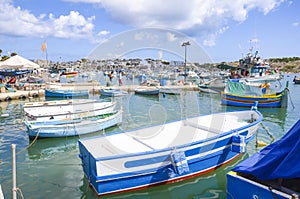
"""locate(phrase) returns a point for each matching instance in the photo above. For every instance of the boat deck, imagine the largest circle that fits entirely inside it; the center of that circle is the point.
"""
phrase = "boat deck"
(161, 136)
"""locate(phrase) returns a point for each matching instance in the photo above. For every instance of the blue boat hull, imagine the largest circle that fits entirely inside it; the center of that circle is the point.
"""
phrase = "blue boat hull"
(241, 187)
(147, 92)
(66, 93)
(263, 102)
(161, 176)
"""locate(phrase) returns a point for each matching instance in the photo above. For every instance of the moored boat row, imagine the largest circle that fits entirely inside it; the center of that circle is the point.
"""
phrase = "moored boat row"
(69, 117)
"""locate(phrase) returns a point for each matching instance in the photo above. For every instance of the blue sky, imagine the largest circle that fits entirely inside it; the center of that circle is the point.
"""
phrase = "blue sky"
(220, 29)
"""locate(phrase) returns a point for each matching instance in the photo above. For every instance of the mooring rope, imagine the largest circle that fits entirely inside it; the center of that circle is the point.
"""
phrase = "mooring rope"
(32, 143)
(18, 190)
(268, 132)
(291, 99)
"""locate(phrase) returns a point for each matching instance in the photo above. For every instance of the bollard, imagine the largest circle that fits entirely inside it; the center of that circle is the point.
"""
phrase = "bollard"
(14, 176)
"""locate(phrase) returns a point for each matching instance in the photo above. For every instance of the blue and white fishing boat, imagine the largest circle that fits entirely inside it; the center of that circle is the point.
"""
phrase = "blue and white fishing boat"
(147, 91)
(110, 92)
(72, 127)
(66, 93)
(166, 153)
(274, 172)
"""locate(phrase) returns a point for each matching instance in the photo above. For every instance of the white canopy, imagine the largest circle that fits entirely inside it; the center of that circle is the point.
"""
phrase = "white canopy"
(18, 62)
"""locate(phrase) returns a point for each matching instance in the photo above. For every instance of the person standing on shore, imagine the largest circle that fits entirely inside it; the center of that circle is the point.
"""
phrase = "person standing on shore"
(120, 78)
(111, 75)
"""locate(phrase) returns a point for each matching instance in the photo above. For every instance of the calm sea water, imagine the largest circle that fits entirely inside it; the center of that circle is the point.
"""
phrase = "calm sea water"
(51, 168)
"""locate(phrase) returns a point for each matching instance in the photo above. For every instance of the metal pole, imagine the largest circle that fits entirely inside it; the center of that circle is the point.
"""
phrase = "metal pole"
(184, 45)
(14, 173)
(184, 63)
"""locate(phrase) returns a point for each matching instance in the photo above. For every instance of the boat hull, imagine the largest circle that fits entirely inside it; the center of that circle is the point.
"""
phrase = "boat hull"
(73, 127)
(277, 101)
(66, 93)
(112, 92)
(147, 91)
(210, 89)
(241, 187)
(156, 167)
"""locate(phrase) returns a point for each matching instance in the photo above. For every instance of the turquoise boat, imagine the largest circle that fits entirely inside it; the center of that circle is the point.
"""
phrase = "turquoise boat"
(66, 93)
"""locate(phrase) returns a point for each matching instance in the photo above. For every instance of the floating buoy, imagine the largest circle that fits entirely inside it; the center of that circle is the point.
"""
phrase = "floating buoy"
(8, 98)
(22, 97)
(261, 143)
(35, 95)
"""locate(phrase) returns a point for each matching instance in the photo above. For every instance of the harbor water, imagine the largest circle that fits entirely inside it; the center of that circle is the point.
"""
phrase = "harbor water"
(51, 168)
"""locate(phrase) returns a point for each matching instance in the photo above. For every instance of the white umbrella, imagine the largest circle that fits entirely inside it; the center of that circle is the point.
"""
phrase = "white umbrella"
(18, 62)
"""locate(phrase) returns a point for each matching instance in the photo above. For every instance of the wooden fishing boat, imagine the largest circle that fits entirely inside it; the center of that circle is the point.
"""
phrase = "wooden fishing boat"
(68, 111)
(66, 93)
(166, 153)
(296, 80)
(58, 103)
(215, 86)
(274, 172)
(147, 91)
(243, 95)
(170, 90)
(110, 92)
(72, 127)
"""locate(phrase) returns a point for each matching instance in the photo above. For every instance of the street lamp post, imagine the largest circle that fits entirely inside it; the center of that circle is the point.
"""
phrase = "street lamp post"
(185, 44)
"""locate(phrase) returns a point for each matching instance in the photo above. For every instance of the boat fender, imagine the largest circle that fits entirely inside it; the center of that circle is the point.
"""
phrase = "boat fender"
(35, 95)
(4, 115)
(8, 98)
(261, 143)
(22, 97)
(179, 162)
(238, 144)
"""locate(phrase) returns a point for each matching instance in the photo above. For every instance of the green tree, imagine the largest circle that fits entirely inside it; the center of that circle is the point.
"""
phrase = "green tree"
(13, 54)
(5, 57)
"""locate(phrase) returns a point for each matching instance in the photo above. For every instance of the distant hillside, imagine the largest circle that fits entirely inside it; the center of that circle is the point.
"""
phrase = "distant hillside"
(287, 64)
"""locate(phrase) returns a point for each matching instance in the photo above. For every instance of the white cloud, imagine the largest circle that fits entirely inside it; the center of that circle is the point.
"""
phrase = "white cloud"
(295, 24)
(19, 22)
(190, 17)
(205, 18)
(171, 36)
(103, 33)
